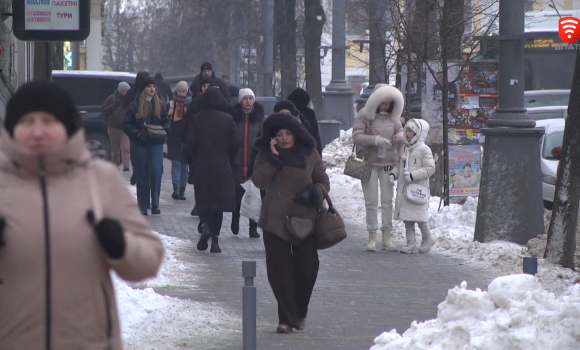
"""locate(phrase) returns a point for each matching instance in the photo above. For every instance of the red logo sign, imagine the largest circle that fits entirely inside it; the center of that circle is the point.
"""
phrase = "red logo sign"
(569, 29)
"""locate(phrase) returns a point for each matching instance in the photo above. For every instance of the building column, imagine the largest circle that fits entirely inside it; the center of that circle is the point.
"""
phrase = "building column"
(94, 55)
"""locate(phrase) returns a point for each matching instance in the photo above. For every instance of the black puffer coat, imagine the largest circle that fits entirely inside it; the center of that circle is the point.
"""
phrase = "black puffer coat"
(213, 143)
(248, 127)
(301, 99)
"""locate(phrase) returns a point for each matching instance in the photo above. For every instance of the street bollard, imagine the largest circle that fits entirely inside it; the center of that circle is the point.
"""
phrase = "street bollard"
(249, 304)
(530, 265)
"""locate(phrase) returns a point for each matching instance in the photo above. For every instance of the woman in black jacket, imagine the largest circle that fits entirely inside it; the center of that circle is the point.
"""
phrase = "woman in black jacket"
(300, 98)
(213, 143)
(146, 145)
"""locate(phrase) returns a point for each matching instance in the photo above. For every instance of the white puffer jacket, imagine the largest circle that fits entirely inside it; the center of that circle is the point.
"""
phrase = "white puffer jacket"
(420, 164)
(369, 124)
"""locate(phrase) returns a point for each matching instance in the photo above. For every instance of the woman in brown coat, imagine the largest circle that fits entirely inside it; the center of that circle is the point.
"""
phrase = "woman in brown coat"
(291, 171)
(65, 222)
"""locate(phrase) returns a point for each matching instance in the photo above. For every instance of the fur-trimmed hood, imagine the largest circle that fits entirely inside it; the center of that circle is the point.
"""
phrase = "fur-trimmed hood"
(421, 129)
(278, 120)
(384, 93)
(256, 115)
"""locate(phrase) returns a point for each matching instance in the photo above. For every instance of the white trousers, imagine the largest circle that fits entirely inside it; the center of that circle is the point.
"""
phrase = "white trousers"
(370, 188)
(410, 231)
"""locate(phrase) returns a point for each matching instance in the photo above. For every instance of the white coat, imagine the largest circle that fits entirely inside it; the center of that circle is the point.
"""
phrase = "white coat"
(418, 159)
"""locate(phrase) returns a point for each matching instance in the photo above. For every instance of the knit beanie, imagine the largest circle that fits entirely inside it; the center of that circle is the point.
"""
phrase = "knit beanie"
(144, 83)
(245, 92)
(285, 104)
(182, 85)
(205, 65)
(42, 96)
(123, 86)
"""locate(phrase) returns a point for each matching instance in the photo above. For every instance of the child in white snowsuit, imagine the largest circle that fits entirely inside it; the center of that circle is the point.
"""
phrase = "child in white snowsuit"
(415, 166)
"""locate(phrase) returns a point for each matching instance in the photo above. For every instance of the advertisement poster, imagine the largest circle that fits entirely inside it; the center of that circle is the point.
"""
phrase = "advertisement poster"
(51, 15)
(464, 170)
(479, 77)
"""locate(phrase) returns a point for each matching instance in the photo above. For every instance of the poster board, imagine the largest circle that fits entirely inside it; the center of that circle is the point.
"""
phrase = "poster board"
(51, 20)
(464, 170)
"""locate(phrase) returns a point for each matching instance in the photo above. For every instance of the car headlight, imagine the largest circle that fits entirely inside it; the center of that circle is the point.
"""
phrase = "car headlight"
(549, 179)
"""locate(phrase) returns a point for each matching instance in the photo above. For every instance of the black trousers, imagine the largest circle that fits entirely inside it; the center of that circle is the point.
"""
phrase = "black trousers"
(212, 222)
(236, 215)
(292, 273)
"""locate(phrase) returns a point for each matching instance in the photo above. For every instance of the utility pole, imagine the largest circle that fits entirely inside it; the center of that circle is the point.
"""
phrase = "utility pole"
(338, 97)
(510, 199)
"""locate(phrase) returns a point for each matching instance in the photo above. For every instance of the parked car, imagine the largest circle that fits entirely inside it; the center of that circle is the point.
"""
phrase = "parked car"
(89, 89)
(547, 112)
(551, 149)
(546, 104)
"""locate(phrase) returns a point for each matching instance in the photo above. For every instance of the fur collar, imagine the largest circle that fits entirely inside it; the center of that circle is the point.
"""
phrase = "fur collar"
(385, 92)
(256, 115)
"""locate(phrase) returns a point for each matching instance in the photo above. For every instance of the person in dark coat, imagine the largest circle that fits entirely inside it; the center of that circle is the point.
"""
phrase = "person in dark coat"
(294, 177)
(212, 140)
(233, 89)
(301, 99)
(206, 71)
(248, 115)
(112, 110)
(146, 152)
(163, 88)
(177, 107)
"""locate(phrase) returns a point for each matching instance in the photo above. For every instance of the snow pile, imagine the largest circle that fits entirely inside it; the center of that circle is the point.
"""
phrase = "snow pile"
(337, 152)
(515, 313)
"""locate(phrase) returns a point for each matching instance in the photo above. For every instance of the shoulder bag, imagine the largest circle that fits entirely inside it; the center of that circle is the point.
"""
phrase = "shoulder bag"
(330, 228)
(356, 167)
(153, 132)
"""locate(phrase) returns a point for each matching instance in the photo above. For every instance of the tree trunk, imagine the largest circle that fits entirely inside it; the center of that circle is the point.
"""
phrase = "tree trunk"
(312, 33)
(455, 27)
(288, 66)
(562, 232)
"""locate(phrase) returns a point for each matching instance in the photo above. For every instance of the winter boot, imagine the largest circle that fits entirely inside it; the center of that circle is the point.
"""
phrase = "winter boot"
(387, 244)
(372, 245)
(155, 210)
(175, 194)
(182, 193)
(133, 179)
(215, 247)
(235, 224)
(254, 230)
(410, 248)
(194, 211)
(428, 241)
(205, 235)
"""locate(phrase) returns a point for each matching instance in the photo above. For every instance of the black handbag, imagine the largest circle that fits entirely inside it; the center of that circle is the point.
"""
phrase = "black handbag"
(152, 133)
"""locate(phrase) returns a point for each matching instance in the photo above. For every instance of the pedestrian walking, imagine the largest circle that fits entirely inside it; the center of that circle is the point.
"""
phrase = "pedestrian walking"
(146, 123)
(416, 166)
(232, 89)
(301, 99)
(287, 107)
(75, 222)
(212, 140)
(377, 133)
(206, 71)
(293, 175)
(178, 107)
(112, 110)
(163, 88)
(248, 115)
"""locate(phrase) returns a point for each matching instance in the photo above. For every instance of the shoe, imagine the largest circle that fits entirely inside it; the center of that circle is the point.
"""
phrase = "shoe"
(202, 244)
(301, 324)
(182, 193)
(144, 212)
(254, 230)
(126, 170)
(215, 247)
(426, 245)
(194, 212)
(175, 194)
(372, 245)
(283, 328)
(235, 226)
(155, 210)
(410, 248)
(387, 244)
(133, 179)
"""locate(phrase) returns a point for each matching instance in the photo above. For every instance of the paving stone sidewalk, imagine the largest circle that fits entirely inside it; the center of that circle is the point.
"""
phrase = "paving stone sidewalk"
(357, 296)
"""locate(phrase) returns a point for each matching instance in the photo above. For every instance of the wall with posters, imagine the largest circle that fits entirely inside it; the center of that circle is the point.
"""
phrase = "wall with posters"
(464, 170)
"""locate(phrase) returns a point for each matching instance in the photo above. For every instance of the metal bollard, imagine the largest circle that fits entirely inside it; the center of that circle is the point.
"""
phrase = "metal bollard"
(249, 304)
(329, 130)
(530, 265)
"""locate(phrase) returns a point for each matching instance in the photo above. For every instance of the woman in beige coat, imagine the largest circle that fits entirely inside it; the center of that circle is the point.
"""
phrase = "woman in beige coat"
(65, 222)
(377, 133)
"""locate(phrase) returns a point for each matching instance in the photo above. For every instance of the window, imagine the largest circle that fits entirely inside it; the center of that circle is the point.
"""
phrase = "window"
(87, 91)
(546, 100)
(552, 141)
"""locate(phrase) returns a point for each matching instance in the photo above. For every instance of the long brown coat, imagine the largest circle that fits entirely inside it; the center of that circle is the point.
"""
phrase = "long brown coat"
(54, 273)
(271, 174)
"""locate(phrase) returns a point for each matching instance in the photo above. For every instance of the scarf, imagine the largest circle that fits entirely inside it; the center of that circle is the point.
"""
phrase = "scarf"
(295, 156)
(179, 109)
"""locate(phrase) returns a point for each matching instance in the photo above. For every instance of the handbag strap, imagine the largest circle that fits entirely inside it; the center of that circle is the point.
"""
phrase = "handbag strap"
(94, 194)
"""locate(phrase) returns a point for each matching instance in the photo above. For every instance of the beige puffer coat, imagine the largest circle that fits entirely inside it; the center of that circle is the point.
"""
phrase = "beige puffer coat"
(369, 124)
(421, 165)
(55, 283)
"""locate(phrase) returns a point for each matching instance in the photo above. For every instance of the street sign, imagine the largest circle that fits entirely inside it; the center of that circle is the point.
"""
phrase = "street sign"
(51, 20)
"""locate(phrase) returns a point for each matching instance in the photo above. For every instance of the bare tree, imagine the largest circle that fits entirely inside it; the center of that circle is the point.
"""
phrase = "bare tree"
(562, 232)
(314, 21)
(285, 43)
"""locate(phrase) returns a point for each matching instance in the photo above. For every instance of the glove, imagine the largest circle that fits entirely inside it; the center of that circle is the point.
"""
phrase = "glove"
(2, 227)
(408, 177)
(307, 197)
(382, 142)
(392, 178)
(110, 235)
